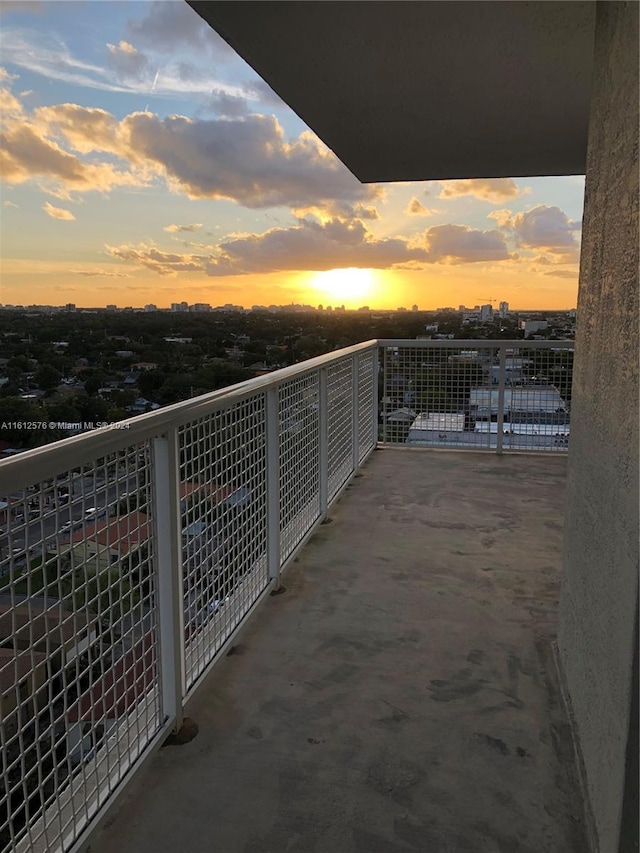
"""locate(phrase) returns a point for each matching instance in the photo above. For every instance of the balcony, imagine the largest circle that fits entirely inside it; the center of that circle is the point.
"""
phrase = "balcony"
(399, 691)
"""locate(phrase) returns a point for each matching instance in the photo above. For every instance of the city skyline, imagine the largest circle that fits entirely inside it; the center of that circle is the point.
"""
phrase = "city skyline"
(143, 161)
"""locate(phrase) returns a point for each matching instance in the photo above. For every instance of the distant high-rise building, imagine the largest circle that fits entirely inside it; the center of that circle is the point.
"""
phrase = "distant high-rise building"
(201, 307)
(111, 308)
(504, 310)
(70, 307)
(486, 313)
(150, 308)
(414, 307)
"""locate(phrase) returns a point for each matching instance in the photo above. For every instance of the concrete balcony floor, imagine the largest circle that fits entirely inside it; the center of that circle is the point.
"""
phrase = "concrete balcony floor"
(401, 695)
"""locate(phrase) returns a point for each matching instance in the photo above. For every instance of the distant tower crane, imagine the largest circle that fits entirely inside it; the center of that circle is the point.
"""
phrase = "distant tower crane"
(487, 299)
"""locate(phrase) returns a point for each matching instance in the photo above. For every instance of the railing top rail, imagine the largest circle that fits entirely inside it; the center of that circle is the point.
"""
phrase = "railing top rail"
(45, 462)
(472, 344)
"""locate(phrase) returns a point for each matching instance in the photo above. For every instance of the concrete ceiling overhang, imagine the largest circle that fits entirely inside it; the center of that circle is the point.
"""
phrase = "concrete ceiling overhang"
(408, 91)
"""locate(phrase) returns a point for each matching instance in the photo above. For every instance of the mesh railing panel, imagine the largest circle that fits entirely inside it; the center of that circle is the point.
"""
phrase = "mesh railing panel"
(538, 401)
(78, 635)
(464, 396)
(366, 392)
(298, 407)
(223, 501)
(339, 424)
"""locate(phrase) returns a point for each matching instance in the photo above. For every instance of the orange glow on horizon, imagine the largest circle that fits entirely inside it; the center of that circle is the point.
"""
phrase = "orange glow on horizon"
(52, 283)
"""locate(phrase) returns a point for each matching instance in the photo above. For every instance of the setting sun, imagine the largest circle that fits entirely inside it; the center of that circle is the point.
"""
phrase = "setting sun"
(348, 286)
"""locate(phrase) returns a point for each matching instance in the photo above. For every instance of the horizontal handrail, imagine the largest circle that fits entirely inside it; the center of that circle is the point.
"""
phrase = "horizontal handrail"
(43, 463)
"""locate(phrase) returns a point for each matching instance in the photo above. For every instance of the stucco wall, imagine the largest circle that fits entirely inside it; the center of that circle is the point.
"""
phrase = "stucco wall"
(600, 587)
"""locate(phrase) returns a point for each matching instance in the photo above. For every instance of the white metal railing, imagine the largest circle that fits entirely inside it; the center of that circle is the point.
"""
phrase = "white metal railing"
(130, 556)
(480, 395)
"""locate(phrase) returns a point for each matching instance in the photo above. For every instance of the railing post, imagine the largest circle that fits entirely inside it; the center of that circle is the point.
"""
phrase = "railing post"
(168, 559)
(355, 431)
(376, 394)
(273, 485)
(323, 428)
(502, 360)
(385, 376)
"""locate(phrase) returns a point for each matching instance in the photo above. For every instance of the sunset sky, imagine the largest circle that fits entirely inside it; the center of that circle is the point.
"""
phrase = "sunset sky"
(143, 161)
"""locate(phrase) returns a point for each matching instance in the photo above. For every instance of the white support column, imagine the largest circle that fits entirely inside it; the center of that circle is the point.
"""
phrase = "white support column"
(323, 429)
(355, 431)
(273, 485)
(502, 360)
(168, 559)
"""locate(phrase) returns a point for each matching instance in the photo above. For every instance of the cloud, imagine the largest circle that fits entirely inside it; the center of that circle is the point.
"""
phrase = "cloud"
(322, 245)
(57, 212)
(494, 190)
(227, 106)
(573, 274)
(175, 228)
(105, 273)
(248, 161)
(416, 208)
(259, 90)
(25, 154)
(10, 106)
(309, 245)
(162, 263)
(127, 62)
(502, 217)
(84, 129)
(9, 204)
(172, 24)
(126, 69)
(459, 244)
(548, 229)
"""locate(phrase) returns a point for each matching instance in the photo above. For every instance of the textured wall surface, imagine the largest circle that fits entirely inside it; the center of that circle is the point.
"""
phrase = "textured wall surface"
(600, 586)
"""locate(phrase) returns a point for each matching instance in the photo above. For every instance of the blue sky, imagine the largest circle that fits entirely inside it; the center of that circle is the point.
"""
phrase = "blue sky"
(142, 160)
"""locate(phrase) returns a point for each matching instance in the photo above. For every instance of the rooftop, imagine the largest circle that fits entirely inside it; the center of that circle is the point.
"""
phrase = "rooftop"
(400, 695)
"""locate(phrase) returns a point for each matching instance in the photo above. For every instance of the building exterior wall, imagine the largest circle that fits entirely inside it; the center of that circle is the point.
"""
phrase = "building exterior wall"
(596, 634)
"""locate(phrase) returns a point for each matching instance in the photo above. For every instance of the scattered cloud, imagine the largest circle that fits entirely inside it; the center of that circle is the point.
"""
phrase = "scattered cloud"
(309, 245)
(174, 228)
(10, 106)
(459, 244)
(170, 25)
(25, 154)
(5, 76)
(314, 244)
(106, 273)
(9, 204)
(126, 69)
(162, 263)
(226, 106)
(127, 62)
(260, 91)
(494, 190)
(573, 274)
(57, 212)
(248, 161)
(549, 230)
(416, 208)
(502, 217)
